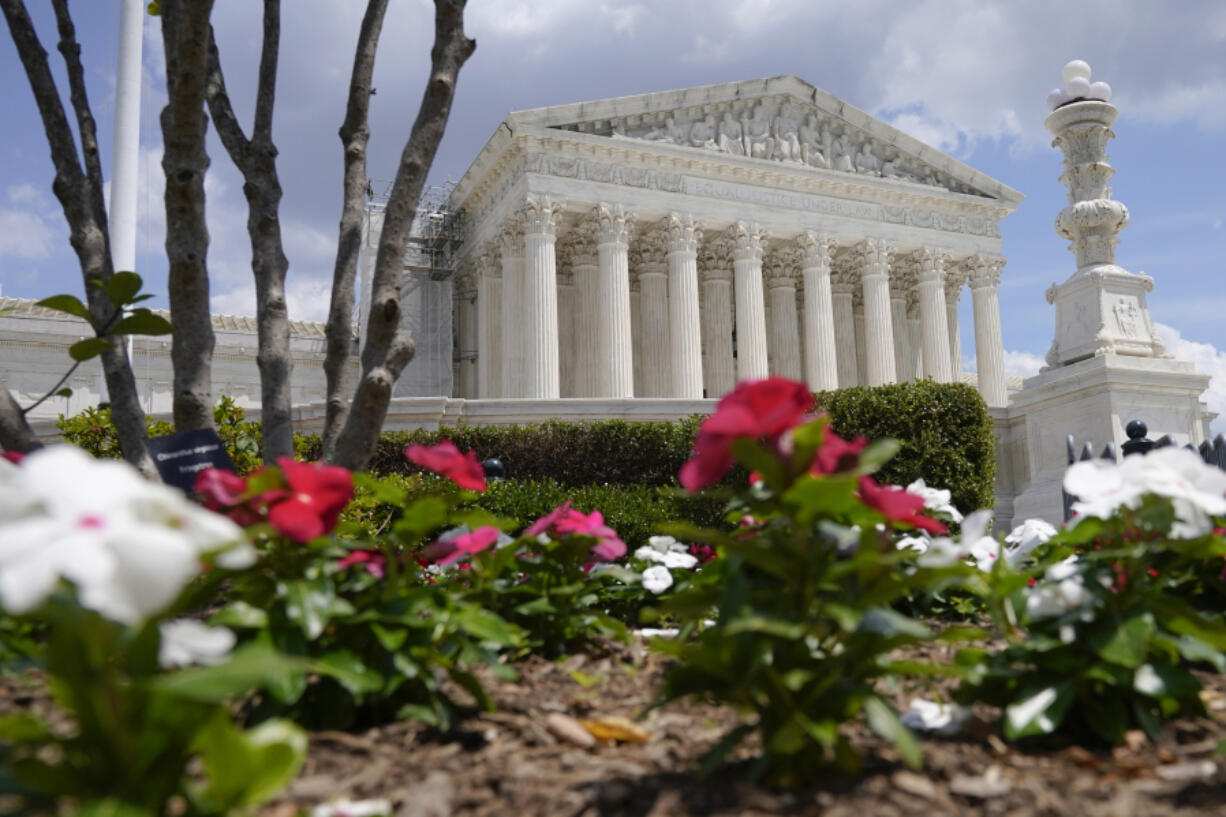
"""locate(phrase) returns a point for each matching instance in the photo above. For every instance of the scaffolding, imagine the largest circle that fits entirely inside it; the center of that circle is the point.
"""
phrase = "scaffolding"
(426, 288)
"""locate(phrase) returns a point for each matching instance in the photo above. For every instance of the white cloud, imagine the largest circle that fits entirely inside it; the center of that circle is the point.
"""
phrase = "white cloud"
(1022, 364)
(306, 298)
(24, 235)
(624, 18)
(1208, 360)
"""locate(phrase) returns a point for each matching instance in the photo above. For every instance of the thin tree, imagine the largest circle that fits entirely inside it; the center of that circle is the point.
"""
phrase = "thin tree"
(388, 348)
(256, 159)
(78, 187)
(185, 38)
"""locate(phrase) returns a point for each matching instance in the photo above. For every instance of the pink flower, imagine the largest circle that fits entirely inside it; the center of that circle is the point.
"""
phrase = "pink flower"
(446, 459)
(469, 543)
(564, 520)
(14, 457)
(374, 561)
(838, 455)
(757, 410)
(317, 495)
(548, 520)
(897, 505)
(219, 488)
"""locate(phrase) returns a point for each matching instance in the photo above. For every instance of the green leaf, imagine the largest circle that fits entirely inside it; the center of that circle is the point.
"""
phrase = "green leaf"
(765, 626)
(64, 393)
(1163, 680)
(349, 671)
(1193, 649)
(884, 722)
(1039, 711)
(89, 348)
(486, 625)
(383, 490)
(250, 667)
(24, 728)
(423, 516)
(142, 322)
(110, 807)
(244, 769)
(240, 614)
(311, 605)
(122, 288)
(1128, 644)
(68, 304)
(878, 453)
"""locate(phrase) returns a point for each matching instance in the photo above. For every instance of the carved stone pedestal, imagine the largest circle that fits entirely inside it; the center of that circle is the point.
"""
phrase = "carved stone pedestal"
(1102, 311)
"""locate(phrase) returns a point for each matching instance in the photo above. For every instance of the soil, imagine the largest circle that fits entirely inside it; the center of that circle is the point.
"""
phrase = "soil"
(519, 762)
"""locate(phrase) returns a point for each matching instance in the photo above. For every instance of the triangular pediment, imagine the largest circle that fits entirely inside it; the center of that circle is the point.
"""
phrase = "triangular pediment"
(781, 119)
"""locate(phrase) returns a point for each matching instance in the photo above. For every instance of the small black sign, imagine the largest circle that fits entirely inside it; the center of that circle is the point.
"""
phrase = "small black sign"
(180, 457)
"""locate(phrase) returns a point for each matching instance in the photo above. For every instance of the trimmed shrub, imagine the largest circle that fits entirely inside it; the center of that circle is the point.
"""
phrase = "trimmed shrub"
(946, 434)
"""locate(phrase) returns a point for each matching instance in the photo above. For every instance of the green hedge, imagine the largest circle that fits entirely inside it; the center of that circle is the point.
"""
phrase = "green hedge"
(946, 434)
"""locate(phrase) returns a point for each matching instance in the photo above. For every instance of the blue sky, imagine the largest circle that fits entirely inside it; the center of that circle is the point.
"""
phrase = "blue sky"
(968, 76)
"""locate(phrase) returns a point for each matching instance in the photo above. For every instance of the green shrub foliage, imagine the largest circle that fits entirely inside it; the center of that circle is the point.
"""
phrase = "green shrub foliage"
(945, 431)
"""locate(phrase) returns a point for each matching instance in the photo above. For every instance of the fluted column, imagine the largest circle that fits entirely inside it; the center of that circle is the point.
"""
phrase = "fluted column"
(934, 320)
(784, 327)
(636, 334)
(614, 348)
(649, 259)
(585, 271)
(843, 284)
(989, 346)
(568, 306)
(955, 277)
(511, 242)
(465, 294)
(903, 365)
(490, 344)
(915, 334)
(879, 366)
(861, 347)
(821, 361)
(751, 360)
(684, 324)
(719, 372)
(541, 372)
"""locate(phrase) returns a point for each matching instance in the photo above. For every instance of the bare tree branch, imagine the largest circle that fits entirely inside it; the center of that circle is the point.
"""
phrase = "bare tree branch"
(15, 432)
(354, 133)
(80, 196)
(388, 349)
(185, 34)
(256, 160)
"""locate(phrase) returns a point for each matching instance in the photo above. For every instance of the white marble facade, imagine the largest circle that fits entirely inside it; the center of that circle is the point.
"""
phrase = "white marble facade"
(669, 244)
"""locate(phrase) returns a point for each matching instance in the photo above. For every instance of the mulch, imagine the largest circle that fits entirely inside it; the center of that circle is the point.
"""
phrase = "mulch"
(523, 761)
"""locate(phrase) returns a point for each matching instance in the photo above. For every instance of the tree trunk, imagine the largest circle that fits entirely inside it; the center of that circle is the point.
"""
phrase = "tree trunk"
(354, 133)
(388, 349)
(185, 37)
(256, 160)
(80, 195)
(15, 432)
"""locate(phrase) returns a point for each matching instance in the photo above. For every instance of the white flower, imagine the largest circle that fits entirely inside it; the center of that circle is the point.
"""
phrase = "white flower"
(129, 545)
(657, 579)
(929, 716)
(667, 551)
(935, 499)
(1026, 537)
(1194, 488)
(918, 542)
(353, 808)
(186, 641)
(976, 546)
(1061, 590)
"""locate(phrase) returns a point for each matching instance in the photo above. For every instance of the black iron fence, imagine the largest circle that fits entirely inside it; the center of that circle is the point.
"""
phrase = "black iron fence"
(1213, 453)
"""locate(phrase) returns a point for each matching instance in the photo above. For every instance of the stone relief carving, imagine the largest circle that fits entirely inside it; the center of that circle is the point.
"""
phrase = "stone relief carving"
(778, 130)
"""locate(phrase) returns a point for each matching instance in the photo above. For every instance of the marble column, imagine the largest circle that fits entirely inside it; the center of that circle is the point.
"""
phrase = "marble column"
(903, 365)
(540, 299)
(490, 344)
(511, 243)
(585, 269)
(684, 323)
(568, 307)
(719, 373)
(879, 368)
(636, 333)
(751, 355)
(843, 285)
(614, 350)
(466, 332)
(955, 277)
(989, 346)
(784, 326)
(649, 259)
(821, 360)
(933, 317)
(861, 345)
(915, 334)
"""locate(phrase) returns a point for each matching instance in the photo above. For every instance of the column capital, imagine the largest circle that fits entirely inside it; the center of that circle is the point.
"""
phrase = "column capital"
(489, 260)
(872, 255)
(817, 248)
(540, 214)
(844, 276)
(747, 241)
(578, 246)
(985, 271)
(466, 275)
(649, 253)
(614, 222)
(955, 279)
(782, 267)
(684, 233)
(913, 302)
(716, 258)
(931, 263)
(511, 238)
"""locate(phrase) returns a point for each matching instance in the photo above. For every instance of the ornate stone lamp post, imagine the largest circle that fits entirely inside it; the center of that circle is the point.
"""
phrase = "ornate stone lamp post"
(1100, 309)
